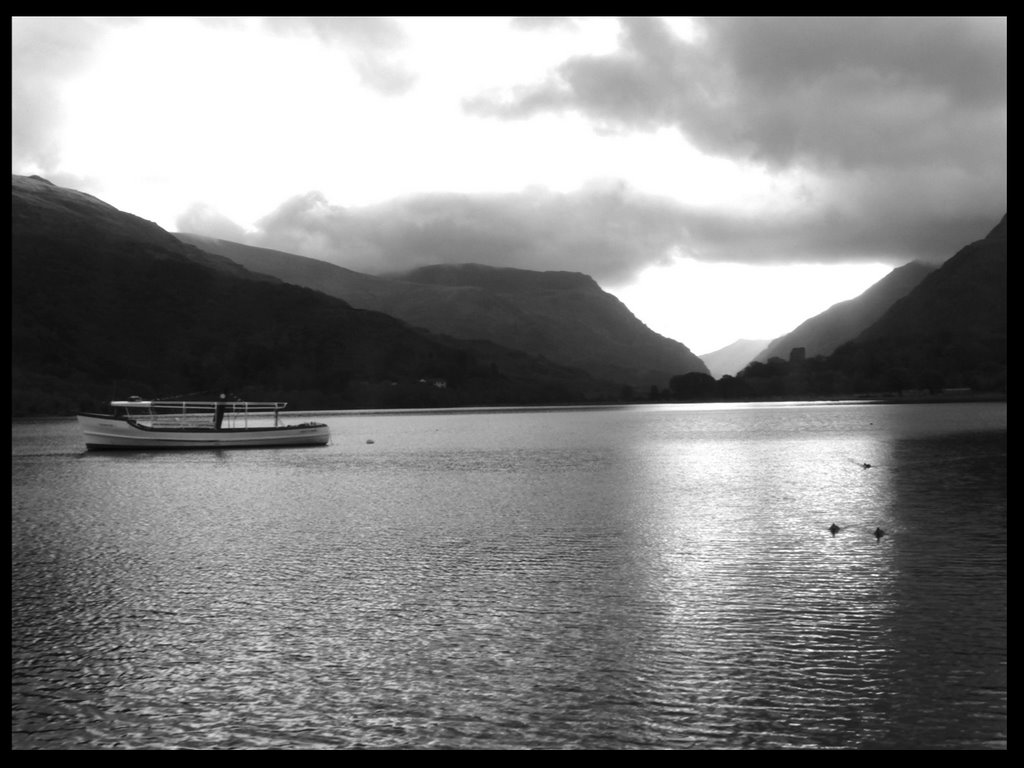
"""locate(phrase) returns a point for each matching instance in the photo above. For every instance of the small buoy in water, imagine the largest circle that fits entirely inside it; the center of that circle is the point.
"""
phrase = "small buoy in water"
(879, 533)
(834, 529)
(369, 442)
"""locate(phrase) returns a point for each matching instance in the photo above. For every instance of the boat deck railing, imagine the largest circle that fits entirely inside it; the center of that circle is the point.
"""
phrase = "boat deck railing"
(186, 414)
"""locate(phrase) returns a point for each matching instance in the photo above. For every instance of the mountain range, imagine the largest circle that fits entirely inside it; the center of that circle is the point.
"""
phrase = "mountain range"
(950, 329)
(107, 304)
(947, 332)
(842, 322)
(825, 332)
(731, 359)
(563, 316)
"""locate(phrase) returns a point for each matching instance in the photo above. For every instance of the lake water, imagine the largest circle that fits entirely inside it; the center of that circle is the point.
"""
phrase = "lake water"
(648, 577)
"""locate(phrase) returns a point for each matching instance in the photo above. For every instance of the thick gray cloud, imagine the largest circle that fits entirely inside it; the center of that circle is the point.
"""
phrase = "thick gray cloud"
(845, 92)
(608, 231)
(605, 230)
(901, 122)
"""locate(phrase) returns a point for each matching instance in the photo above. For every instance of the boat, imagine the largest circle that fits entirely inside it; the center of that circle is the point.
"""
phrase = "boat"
(138, 424)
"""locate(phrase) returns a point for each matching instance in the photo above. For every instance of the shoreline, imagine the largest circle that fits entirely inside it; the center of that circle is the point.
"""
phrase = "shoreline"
(882, 398)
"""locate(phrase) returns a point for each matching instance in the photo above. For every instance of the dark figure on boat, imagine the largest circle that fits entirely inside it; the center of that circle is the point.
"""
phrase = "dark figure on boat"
(879, 533)
(218, 412)
(834, 529)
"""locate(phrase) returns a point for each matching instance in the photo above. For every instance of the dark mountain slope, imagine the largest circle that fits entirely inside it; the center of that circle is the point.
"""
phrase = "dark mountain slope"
(952, 327)
(948, 333)
(363, 291)
(965, 299)
(60, 216)
(104, 304)
(562, 316)
(842, 322)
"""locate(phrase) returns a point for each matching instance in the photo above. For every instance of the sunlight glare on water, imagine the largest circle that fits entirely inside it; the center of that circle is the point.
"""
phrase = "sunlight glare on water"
(605, 578)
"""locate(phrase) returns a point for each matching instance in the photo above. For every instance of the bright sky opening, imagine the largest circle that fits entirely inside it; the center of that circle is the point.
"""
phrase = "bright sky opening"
(679, 299)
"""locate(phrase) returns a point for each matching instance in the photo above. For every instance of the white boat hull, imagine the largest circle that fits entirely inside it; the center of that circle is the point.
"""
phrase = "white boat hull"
(117, 433)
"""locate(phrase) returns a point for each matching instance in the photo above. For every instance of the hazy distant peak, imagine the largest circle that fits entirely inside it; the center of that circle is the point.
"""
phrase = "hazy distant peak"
(266, 260)
(842, 322)
(193, 238)
(498, 278)
(999, 233)
(730, 360)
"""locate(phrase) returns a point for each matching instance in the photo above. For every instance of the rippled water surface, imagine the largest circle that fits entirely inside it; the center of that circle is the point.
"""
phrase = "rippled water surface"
(656, 577)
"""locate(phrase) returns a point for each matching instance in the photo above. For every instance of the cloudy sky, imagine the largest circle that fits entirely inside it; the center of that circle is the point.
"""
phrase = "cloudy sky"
(726, 178)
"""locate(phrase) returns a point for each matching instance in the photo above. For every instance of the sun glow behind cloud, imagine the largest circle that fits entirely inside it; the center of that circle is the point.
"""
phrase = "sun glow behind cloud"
(245, 120)
(234, 119)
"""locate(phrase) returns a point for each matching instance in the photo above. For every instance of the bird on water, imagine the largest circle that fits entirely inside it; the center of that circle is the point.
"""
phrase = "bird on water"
(834, 529)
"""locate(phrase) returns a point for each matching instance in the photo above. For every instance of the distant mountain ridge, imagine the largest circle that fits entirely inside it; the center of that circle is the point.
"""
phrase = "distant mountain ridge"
(105, 303)
(950, 331)
(964, 301)
(843, 322)
(563, 316)
(946, 336)
(730, 360)
(501, 279)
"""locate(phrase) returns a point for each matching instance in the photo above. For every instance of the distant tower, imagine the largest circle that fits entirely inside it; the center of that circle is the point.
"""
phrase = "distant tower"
(797, 354)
